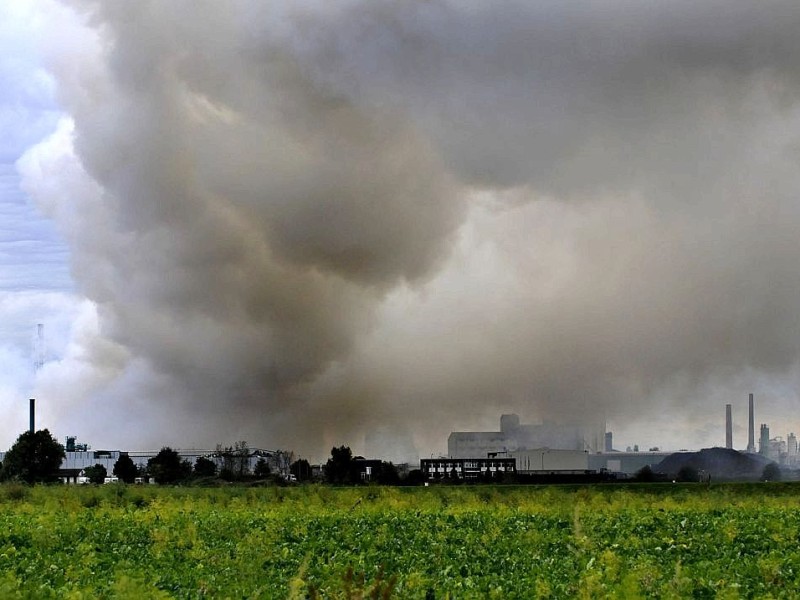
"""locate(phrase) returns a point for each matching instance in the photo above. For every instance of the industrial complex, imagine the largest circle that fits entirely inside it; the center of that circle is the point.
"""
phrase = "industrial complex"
(568, 448)
(516, 451)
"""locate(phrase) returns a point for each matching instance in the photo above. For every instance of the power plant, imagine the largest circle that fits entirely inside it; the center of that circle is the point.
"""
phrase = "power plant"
(783, 452)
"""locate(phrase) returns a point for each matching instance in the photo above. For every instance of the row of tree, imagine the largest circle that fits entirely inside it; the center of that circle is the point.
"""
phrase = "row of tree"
(36, 457)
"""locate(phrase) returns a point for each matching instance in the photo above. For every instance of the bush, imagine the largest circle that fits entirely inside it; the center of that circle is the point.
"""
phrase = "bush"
(772, 472)
(645, 474)
(96, 474)
(15, 491)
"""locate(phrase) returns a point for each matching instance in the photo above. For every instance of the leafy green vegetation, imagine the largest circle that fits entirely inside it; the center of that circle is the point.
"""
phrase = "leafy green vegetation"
(315, 541)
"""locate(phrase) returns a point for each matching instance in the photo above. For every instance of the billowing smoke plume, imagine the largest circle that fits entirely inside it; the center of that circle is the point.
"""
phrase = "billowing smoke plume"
(300, 220)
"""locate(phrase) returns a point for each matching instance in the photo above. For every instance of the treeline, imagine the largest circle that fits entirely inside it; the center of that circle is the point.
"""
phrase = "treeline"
(36, 457)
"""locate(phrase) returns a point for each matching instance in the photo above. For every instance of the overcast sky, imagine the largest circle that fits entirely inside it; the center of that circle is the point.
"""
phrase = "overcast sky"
(35, 282)
(294, 223)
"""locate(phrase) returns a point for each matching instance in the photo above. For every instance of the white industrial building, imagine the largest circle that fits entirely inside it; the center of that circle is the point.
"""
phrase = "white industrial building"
(550, 460)
(514, 436)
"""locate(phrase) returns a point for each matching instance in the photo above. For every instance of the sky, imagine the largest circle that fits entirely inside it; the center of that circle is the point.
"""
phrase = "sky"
(298, 224)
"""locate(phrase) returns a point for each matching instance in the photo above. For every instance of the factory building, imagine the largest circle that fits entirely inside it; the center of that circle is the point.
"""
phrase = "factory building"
(514, 436)
(549, 460)
(763, 441)
(777, 450)
(467, 469)
(75, 462)
(791, 451)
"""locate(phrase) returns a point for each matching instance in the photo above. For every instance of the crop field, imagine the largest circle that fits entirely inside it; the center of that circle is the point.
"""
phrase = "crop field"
(669, 541)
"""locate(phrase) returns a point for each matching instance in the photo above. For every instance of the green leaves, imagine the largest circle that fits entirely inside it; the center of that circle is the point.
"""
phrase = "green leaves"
(314, 541)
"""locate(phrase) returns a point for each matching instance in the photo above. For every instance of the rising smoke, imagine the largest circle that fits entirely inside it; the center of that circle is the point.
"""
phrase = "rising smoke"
(299, 220)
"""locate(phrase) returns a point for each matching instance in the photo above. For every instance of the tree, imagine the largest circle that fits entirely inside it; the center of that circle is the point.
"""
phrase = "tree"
(339, 467)
(124, 469)
(301, 469)
(96, 474)
(415, 477)
(388, 474)
(645, 474)
(262, 469)
(167, 466)
(205, 467)
(35, 457)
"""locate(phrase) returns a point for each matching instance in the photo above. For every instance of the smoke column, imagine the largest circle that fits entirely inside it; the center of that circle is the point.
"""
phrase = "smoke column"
(300, 221)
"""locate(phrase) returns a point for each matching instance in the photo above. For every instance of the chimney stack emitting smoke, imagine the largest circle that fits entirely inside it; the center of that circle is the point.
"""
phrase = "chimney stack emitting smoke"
(751, 430)
(32, 406)
(728, 427)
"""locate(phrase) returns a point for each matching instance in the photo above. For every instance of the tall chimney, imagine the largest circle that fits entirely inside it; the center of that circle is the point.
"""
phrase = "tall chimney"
(751, 429)
(33, 414)
(728, 427)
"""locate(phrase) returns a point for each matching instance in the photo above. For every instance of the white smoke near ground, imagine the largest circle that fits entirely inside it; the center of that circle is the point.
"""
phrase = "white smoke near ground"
(301, 221)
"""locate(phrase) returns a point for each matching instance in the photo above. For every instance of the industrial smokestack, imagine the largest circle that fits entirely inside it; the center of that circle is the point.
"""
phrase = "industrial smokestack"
(751, 429)
(728, 427)
(763, 442)
(33, 415)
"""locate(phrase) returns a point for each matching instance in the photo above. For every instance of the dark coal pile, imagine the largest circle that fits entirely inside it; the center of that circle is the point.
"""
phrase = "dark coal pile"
(720, 463)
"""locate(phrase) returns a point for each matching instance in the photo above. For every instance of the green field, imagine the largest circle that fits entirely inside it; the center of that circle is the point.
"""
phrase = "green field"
(665, 540)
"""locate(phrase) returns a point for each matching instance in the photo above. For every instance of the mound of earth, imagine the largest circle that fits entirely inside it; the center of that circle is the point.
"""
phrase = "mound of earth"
(720, 463)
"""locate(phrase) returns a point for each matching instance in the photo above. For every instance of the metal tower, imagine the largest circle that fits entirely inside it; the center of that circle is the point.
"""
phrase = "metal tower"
(751, 433)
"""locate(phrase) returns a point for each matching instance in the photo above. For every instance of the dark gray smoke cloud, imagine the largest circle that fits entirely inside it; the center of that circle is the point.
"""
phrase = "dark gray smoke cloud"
(312, 218)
